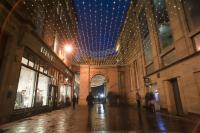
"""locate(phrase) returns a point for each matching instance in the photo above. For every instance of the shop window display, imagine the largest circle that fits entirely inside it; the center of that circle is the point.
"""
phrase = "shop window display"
(62, 94)
(24, 61)
(42, 90)
(31, 64)
(68, 91)
(31, 61)
(25, 91)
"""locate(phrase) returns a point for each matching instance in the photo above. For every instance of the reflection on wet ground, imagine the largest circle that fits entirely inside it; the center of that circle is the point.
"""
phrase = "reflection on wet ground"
(102, 118)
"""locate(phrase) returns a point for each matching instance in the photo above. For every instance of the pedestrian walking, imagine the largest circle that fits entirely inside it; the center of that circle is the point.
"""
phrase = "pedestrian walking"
(147, 101)
(74, 101)
(152, 102)
(77, 99)
(90, 99)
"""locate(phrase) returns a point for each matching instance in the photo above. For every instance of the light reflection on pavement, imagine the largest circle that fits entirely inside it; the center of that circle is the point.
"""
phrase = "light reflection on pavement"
(103, 119)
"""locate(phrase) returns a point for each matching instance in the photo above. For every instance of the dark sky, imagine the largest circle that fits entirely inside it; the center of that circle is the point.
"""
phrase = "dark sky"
(99, 24)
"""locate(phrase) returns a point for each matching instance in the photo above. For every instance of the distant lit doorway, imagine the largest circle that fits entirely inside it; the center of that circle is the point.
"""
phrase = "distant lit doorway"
(98, 88)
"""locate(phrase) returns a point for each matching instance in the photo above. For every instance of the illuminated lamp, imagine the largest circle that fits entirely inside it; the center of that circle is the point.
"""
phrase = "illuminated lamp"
(68, 48)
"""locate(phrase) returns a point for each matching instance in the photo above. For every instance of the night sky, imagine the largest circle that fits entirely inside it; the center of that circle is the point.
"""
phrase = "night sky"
(99, 24)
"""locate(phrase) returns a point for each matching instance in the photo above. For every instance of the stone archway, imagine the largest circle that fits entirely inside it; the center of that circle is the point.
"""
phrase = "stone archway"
(98, 88)
(87, 73)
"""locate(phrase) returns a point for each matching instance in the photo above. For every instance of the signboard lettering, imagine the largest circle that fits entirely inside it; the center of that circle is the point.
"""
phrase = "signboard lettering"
(45, 52)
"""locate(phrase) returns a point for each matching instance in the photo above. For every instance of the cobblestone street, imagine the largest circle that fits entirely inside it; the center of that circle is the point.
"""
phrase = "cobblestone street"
(102, 118)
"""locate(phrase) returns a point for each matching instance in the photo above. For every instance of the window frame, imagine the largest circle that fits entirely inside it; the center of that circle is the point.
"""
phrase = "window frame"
(166, 49)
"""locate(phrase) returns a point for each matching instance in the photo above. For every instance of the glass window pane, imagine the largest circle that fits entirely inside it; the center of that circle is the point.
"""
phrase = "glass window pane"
(24, 61)
(36, 66)
(30, 63)
(192, 9)
(162, 23)
(42, 89)
(41, 69)
(197, 42)
(145, 37)
(147, 50)
(68, 91)
(165, 35)
(45, 71)
(26, 89)
(62, 94)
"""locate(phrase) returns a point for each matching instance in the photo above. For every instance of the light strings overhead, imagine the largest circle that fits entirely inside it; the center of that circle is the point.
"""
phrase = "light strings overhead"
(99, 25)
(95, 27)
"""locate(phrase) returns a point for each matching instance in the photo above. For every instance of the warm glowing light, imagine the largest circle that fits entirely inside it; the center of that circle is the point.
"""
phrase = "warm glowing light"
(198, 48)
(66, 79)
(117, 47)
(68, 48)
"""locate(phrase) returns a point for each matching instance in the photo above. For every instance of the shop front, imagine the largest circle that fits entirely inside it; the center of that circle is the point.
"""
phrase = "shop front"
(42, 84)
(64, 95)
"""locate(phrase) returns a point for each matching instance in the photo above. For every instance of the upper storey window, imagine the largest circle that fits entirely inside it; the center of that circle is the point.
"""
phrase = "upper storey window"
(192, 9)
(145, 37)
(162, 23)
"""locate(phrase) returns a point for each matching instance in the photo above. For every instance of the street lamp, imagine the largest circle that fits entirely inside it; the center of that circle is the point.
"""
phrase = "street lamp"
(68, 48)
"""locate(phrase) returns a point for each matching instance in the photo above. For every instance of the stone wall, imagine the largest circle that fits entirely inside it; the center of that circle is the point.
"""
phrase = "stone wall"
(180, 61)
(86, 73)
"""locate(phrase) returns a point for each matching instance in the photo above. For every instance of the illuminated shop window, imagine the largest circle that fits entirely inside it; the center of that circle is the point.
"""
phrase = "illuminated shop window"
(162, 23)
(42, 89)
(145, 37)
(24, 61)
(41, 69)
(45, 71)
(62, 93)
(31, 61)
(68, 91)
(36, 66)
(197, 42)
(25, 90)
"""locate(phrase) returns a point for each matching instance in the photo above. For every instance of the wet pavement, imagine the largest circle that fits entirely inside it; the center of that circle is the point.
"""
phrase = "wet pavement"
(103, 119)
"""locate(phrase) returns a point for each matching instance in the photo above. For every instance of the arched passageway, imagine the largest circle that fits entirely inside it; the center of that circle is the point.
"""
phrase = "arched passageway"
(98, 88)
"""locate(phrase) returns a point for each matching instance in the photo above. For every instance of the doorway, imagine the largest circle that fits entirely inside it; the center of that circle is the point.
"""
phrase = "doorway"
(53, 96)
(98, 88)
(177, 98)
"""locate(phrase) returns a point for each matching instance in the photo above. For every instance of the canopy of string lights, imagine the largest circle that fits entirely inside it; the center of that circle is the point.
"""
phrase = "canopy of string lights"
(102, 32)
(99, 25)
(95, 29)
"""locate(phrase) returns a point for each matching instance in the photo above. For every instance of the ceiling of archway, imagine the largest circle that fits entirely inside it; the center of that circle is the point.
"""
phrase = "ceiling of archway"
(97, 80)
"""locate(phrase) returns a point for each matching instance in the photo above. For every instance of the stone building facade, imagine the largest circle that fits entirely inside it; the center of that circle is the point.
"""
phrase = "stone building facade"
(158, 52)
(172, 65)
(24, 54)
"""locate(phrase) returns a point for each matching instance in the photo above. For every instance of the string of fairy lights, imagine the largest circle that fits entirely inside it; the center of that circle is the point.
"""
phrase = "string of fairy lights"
(99, 23)
(96, 27)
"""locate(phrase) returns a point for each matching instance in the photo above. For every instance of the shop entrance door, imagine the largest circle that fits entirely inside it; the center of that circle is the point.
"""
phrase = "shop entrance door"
(53, 96)
(177, 98)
